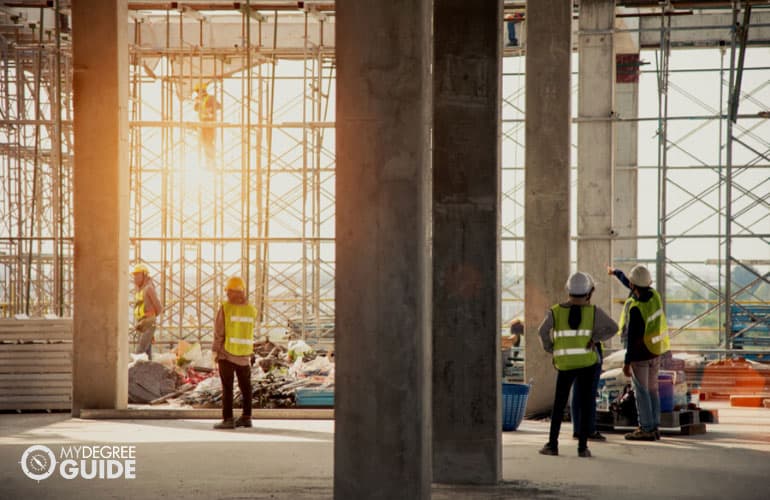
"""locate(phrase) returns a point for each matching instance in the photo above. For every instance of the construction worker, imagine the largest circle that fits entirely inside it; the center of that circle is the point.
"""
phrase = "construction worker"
(645, 332)
(207, 106)
(571, 331)
(511, 20)
(146, 309)
(233, 348)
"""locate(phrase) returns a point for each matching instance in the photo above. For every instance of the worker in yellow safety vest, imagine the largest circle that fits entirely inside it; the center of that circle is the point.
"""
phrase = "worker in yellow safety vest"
(146, 309)
(572, 332)
(645, 332)
(233, 348)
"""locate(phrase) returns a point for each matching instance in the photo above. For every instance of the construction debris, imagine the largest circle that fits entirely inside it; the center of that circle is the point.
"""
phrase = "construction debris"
(187, 377)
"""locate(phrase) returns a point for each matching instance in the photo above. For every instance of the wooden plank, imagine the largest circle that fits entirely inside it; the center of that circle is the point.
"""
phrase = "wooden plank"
(207, 413)
(53, 335)
(33, 361)
(59, 385)
(9, 329)
(62, 405)
(27, 356)
(14, 348)
(34, 399)
(35, 377)
(64, 368)
(64, 392)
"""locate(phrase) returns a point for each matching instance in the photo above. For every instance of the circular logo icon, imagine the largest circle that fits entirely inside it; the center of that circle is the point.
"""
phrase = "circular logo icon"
(38, 462)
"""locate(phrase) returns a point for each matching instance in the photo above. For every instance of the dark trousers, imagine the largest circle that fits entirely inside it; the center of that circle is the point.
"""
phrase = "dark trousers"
(564, 381)
(575, 408)
(227, 371)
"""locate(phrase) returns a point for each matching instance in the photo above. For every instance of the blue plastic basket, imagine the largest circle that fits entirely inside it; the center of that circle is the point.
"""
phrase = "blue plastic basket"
(514, 404)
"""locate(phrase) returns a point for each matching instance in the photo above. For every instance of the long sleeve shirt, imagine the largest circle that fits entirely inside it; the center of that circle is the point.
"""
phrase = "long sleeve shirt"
(604, 326)
(621, 276)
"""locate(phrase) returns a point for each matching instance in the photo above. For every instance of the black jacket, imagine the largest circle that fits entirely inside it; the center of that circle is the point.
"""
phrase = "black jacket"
(636, 350)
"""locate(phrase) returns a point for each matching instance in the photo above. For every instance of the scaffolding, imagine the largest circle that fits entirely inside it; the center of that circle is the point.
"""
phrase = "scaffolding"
(36, 165)
(704, 196)
(262, 206)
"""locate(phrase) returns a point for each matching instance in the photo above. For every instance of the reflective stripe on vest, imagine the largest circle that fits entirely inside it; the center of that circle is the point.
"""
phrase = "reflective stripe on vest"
(239, 328)
(655, 326)
(570, 345)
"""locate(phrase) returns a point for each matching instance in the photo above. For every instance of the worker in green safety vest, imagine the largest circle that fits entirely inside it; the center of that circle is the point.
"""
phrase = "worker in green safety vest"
(645, 332)
(233, 348)
(572, 331)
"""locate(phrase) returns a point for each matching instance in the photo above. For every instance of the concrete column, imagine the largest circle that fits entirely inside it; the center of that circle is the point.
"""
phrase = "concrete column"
(626, 164)
(547, 181)
(383, 283)
(100, 354)
(596, 166)
(466, 242)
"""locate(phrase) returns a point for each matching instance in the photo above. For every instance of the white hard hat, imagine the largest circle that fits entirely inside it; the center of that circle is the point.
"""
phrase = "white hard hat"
(640, 276)
(579, 284)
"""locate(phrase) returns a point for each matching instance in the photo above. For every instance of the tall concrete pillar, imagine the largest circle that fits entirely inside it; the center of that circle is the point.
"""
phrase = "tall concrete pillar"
(596, 149)
(626, 164)
(383, 282)
(100, 353)
(547, 181)
(466, 242)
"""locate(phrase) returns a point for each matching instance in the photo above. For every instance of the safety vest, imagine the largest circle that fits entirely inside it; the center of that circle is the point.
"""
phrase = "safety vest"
(239, 328)
(139, 305)
(206, 110)
(655, 327)
(570, 346)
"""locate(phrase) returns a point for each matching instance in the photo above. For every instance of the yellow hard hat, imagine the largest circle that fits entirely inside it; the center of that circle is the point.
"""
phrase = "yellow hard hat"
(140, 268)
(236, 284)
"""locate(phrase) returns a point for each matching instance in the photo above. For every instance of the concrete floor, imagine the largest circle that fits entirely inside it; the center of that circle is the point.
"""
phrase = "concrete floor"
(293, 459)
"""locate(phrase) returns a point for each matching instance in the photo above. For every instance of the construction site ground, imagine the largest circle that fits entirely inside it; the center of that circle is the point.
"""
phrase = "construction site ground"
(186, 458)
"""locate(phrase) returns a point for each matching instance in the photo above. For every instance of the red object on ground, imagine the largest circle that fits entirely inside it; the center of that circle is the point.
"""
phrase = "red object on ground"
(735, 376)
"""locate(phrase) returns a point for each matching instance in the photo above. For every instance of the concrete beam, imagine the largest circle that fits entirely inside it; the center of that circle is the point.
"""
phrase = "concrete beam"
(595, 168)
(100, 323)
(547, 181)
(704, 29)
(383, 281)
(466, 242)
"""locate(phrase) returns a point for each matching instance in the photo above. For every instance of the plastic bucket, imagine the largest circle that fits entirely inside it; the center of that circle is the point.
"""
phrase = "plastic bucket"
(666, 392)
(514, 404)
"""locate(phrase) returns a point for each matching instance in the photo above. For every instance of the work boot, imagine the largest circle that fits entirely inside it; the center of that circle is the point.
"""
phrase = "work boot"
(640, 435)
(596, 436)
(243, 421)
(549, 450)
(227, 423)
(584, 453)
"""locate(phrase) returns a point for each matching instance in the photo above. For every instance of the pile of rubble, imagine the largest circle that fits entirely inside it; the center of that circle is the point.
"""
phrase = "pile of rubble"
(187, 376)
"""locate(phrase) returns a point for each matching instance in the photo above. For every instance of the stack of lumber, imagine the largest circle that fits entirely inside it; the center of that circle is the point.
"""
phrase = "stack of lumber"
(35, 364)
